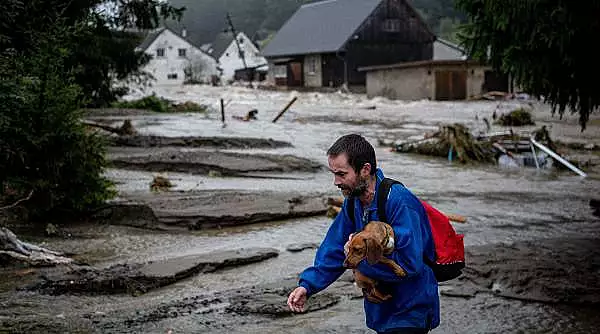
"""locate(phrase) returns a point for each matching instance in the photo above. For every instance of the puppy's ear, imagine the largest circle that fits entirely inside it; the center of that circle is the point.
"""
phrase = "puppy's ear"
(374, 251)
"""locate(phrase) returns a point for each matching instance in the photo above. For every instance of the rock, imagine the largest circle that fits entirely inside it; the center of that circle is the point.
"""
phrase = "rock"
(137, 278)
(300, 247)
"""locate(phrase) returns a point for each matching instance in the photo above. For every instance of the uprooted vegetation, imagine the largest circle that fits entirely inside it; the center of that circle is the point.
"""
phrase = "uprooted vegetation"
(159, 104)
(517, 117)
(451, 140)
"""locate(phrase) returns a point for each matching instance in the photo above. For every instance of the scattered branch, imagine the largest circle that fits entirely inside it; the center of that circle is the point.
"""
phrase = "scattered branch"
(17, 202)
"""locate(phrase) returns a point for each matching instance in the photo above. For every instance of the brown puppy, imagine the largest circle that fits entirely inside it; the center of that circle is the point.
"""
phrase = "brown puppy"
(372, 243)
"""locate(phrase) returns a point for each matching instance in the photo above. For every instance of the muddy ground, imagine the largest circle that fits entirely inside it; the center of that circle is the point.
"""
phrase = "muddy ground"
(221, 250)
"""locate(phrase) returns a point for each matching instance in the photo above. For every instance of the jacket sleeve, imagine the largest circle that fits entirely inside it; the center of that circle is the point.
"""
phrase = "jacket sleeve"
(407, 223)
(329, 260)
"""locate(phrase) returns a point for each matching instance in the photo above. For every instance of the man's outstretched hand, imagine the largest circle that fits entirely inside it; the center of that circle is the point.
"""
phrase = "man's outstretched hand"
(297, 299)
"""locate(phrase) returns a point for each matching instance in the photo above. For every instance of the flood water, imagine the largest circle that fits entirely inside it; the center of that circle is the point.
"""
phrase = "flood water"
(501, 205)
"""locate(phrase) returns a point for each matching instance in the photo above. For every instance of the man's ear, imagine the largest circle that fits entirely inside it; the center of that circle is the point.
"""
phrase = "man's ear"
(374, 251)
(366, 170)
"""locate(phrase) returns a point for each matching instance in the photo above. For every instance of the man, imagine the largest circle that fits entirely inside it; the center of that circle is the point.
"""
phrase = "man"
(414, 306)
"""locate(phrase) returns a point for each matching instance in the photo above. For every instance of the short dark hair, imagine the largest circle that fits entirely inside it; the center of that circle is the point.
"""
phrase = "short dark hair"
(358, 150)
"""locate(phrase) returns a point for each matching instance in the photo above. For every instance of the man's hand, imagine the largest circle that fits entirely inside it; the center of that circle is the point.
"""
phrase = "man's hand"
(297, 299)
(348, 243)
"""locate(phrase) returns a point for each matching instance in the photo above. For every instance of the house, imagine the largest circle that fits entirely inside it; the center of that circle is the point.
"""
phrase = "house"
(450, 75)
(236, 56)
(176, 59)
(324, 43)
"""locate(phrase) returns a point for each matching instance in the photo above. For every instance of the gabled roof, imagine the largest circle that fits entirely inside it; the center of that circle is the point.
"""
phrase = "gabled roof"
(149, 39)
(445, 50)
(320, 27)
(152, 35)
(221, 44)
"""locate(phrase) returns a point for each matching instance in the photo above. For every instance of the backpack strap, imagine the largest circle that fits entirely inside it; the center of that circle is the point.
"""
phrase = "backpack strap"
(382, 195)
(351, 201)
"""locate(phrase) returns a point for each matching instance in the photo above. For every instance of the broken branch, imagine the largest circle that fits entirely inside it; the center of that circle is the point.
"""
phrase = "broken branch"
(17, 202)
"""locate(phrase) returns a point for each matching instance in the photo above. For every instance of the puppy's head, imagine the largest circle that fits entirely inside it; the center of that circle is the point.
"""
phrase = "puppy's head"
(362, 246)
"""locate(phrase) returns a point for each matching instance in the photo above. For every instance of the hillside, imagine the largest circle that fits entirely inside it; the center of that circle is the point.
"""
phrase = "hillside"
(259, 18)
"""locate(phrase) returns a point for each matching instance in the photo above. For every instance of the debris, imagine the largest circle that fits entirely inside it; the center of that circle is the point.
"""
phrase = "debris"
(450, 140)
(285, 109)
(250, 116)
(14, 250)
(160, 183)
(124, 130)
(517, 117)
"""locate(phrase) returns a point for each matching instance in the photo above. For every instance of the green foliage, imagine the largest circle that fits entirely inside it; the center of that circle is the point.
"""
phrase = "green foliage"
(159, 104)
(151, 102)
(45, 149)
(545, 45)
(103, 50)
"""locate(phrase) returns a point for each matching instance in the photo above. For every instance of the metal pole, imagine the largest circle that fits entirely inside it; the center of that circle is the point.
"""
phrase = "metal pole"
(537, 165)
(558, 157)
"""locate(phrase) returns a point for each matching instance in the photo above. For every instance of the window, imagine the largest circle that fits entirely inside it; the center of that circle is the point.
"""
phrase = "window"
(172, 76)
(182, 52)
(312, 64)
(160, 52)
(280, 71)
(241, 41)
(391, 25)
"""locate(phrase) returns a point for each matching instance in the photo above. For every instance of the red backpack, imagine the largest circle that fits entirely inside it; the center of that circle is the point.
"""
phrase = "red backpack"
(449, 246)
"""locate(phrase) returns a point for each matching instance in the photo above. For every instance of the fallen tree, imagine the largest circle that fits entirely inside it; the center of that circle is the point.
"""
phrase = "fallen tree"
(14, 250)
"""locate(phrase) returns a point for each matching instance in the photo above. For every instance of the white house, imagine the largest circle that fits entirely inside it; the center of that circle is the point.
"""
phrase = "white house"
(226, 51)
(175, 59)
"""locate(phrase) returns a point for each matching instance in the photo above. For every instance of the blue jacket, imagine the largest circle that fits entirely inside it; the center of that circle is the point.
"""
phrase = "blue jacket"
(415, 301)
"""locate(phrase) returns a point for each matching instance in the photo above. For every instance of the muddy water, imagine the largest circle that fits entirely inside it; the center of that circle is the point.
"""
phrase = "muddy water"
(502, 206)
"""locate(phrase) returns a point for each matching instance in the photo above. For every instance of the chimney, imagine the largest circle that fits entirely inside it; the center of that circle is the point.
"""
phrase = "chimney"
(184, 32)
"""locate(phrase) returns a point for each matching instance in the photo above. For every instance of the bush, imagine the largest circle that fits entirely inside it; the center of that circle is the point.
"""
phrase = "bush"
(151, 102)
(158, 104)
(44, 148)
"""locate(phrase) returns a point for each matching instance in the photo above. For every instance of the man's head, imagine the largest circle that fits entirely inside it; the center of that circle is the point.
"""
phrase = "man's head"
(352, 161)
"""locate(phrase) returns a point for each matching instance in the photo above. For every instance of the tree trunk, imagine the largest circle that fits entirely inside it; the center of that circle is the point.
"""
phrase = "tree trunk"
(14, 250)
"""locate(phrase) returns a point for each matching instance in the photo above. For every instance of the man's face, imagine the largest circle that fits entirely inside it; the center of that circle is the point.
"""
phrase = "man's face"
(345, 178)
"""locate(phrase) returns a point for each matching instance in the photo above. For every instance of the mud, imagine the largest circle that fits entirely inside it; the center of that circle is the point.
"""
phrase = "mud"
(140, 278)
(558, 271)
(209, 162)
(201, 210)
(220, 142)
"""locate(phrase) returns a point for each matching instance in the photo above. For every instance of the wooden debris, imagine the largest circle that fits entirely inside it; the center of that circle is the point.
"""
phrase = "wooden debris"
(13, 249)
(285, 109)
(124, 130)
(452, 140)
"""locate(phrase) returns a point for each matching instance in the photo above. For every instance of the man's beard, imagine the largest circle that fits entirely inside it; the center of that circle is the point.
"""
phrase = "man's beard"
(361, 188)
